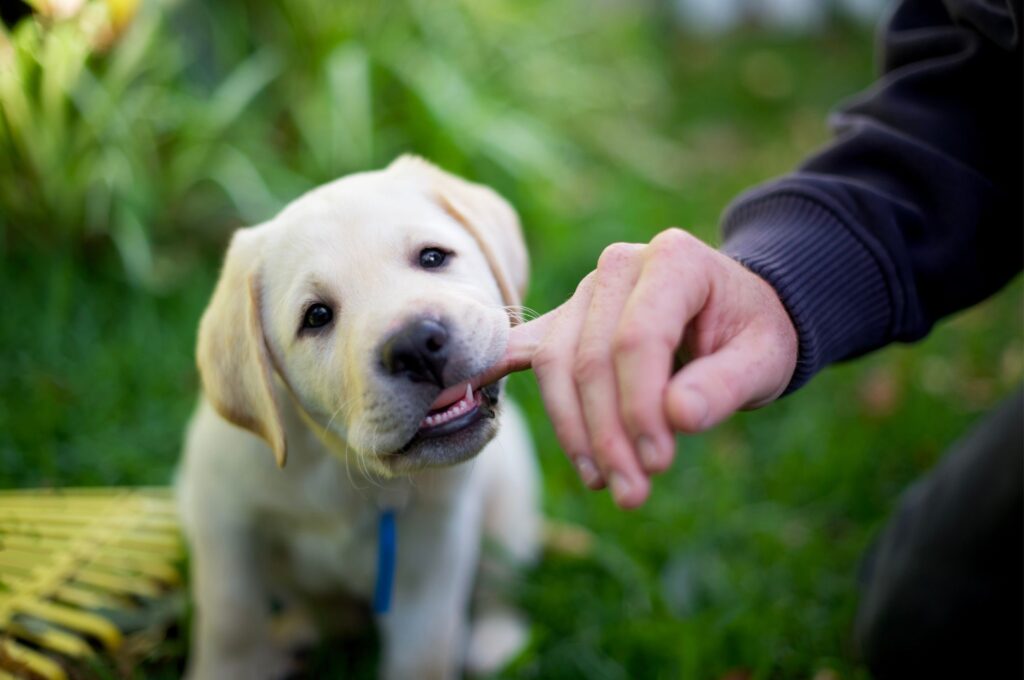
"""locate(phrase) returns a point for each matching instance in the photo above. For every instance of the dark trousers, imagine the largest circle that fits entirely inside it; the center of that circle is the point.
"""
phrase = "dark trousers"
(942, 595)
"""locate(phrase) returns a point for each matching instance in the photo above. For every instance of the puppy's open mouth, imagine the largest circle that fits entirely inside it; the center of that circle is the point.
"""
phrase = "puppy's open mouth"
(456, 409)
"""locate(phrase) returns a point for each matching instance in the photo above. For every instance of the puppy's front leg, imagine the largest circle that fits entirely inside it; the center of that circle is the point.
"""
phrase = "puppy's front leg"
(232, 636)
(424, 632)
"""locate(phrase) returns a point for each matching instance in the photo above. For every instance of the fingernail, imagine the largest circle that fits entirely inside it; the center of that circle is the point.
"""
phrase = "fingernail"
(696, 406)
(620, 487)
(648, 452)
(587, 471)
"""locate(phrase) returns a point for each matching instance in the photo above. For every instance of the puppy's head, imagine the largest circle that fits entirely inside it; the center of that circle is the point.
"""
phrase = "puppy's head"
(361, 302)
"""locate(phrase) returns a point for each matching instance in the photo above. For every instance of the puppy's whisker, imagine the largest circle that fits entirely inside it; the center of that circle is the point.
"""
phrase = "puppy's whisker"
(524, 312)
(334, 415)
(348, 472)
(346, 459)
(348, 405)
(359, 466)
(364, 465)
(363, 461)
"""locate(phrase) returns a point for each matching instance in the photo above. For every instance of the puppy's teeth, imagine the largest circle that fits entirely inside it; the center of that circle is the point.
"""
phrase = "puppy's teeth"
(453, 411)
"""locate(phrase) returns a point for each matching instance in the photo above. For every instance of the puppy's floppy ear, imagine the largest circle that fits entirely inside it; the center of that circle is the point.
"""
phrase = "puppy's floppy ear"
(234, 362)
(486, 215)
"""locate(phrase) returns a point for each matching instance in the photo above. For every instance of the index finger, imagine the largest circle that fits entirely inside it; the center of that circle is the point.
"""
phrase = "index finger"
(523, 341)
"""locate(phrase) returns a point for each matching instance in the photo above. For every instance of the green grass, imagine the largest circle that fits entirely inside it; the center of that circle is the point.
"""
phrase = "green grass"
(745, 558)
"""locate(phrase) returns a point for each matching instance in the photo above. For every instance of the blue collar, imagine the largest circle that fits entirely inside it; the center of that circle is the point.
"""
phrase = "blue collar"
(387, 549)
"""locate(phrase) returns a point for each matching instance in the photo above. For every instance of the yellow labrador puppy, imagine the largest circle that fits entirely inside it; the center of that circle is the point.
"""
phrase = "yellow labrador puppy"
(341, 339)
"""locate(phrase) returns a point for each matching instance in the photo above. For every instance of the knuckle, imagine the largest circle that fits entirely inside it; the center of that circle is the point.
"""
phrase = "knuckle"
(732, 387)
(636, 416)
(587, 282)
(589, 364)
(605, 444)
(678, 250)
(643, 336)
(545, 358)
(675, 240)
(630, 340)
(576, 452)
(615, 256)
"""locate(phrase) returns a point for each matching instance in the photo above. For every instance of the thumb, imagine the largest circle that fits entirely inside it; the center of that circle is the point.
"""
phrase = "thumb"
(523, 341)
(745, 373)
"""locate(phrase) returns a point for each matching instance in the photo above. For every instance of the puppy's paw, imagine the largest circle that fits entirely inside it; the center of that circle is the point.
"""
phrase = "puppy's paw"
(495, 640)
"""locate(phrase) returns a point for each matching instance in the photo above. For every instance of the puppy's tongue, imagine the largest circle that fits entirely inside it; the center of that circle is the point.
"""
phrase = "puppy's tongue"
(452, 394)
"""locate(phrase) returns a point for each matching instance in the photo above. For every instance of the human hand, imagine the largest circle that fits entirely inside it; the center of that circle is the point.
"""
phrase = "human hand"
(608, 360)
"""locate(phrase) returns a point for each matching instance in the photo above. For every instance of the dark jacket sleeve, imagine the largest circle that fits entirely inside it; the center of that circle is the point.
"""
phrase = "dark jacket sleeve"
(914, 211)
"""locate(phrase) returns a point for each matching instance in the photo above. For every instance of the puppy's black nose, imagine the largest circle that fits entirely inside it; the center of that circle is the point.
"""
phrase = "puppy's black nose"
(419, 351)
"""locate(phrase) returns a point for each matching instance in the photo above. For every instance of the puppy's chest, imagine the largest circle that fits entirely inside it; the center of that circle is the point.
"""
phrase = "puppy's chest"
(324, 551)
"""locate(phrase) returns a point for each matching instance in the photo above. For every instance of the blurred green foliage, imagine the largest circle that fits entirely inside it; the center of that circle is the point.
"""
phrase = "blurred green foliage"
(133, 139)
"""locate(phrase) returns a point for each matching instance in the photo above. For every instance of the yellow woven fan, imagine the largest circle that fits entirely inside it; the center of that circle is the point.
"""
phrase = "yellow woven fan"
(70, 560)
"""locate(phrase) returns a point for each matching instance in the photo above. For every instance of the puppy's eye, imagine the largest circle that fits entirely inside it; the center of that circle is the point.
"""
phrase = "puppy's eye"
(317, 315)
(432, 258)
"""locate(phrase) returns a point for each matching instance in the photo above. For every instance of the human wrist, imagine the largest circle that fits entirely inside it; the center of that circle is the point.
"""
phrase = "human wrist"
(829, 283)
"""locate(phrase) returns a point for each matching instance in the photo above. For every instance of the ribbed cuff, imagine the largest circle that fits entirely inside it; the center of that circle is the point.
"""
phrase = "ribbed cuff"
(828, 279)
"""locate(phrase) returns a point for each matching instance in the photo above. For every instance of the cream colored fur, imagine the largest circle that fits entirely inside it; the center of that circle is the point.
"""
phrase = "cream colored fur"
(296, 443)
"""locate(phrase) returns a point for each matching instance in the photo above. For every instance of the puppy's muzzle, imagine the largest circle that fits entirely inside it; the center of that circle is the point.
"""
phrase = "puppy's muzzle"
(417, 351)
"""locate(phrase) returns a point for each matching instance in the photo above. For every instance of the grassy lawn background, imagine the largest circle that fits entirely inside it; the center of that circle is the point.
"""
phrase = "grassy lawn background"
(599, 126)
